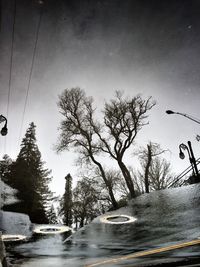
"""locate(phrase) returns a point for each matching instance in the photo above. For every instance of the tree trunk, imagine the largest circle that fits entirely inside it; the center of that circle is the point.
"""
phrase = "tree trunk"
(112, 197)
(127, 177)
(76, 223)
(108, 185)
(146, 176)
(82, 222)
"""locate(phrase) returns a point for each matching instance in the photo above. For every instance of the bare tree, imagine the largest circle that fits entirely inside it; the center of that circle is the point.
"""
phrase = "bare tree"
(85, 199)
(123, 119)
(146, 156)
(93, 176)
(160, 174)
(117, 182)
(156, 173)
(137, 181)
(77, 130)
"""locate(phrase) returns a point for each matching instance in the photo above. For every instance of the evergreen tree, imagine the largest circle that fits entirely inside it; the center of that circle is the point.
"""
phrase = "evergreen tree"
(67, 201)
(30, 178)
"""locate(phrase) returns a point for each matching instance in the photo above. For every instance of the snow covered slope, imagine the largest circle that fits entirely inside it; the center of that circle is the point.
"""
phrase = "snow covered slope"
(15, 223)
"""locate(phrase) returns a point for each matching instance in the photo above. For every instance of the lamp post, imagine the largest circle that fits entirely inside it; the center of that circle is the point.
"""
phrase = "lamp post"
(183, 114)
(3, 261)
(4, 132)
(195, 178)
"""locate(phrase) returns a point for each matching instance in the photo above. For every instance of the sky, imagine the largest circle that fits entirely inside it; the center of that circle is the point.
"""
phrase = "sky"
(145, 47)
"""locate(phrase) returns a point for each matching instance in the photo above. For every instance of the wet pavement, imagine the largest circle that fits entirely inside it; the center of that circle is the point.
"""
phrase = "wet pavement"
(164, 218)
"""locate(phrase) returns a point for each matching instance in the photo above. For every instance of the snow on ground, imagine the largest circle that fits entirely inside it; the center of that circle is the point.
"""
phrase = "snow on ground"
(15, 223)
(7, 194)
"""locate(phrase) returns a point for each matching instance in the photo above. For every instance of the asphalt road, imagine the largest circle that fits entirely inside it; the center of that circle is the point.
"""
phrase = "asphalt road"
(164, 219)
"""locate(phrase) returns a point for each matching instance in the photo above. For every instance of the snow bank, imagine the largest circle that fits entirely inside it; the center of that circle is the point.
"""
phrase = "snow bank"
(7, 194)
(15, 223)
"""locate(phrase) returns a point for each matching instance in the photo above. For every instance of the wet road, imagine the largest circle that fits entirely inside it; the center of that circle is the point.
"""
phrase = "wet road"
(164, 218)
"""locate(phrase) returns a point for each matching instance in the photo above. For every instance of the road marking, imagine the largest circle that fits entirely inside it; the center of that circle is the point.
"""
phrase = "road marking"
(145, 253)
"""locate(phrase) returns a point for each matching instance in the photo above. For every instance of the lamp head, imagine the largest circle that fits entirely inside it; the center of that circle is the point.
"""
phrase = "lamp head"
(4, 130)
(170, 112)
(183, 146)
(181, 155)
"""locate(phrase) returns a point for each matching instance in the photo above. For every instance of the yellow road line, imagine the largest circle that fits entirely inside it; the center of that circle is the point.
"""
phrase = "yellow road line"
(145, 253)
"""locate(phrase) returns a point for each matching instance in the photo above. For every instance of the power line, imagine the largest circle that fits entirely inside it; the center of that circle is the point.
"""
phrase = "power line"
(11, 58)
(31, 72)
(11, 65)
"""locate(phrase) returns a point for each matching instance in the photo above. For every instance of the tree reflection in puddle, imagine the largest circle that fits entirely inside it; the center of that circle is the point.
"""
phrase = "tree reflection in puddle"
(155, 227)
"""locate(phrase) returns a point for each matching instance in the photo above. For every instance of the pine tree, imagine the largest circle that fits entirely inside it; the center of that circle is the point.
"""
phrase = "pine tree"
(67, 201)
(31, 179)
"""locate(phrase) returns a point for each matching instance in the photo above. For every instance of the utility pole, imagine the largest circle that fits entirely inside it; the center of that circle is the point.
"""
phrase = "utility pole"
(193, 160)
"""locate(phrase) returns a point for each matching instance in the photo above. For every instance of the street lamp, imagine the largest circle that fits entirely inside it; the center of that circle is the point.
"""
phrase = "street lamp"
(3, 261)
(4, 130)
(181, 154)
(192, 160)
(183, 114)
